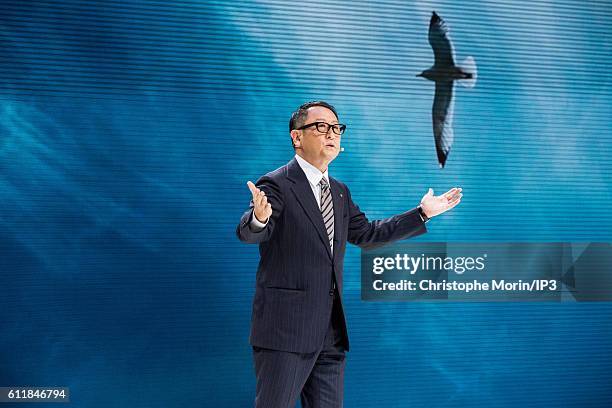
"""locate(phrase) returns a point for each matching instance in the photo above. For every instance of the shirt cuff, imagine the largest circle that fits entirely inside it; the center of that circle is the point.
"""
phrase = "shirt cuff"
(420, 211)
(257, 225)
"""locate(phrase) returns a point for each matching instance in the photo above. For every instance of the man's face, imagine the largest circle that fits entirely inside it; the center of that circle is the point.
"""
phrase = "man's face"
(316, 147)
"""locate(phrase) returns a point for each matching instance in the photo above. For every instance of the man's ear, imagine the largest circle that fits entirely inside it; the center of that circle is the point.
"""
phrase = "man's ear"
(296, 136)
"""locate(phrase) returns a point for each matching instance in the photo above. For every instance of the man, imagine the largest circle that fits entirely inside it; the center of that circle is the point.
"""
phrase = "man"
(302, 219)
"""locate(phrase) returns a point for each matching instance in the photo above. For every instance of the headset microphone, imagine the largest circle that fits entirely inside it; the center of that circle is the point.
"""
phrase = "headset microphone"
(342, 149)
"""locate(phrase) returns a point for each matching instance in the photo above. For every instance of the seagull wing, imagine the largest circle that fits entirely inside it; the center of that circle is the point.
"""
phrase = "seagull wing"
(442, 117)
(439, 40)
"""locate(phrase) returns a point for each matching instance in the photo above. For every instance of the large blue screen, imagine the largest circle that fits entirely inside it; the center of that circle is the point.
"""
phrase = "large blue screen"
(128, 131)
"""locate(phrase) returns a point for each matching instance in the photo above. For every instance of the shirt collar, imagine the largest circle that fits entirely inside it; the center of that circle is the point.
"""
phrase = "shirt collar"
(313, 174)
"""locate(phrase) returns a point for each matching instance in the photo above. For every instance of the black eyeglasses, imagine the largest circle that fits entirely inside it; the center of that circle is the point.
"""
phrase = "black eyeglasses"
(324, 127)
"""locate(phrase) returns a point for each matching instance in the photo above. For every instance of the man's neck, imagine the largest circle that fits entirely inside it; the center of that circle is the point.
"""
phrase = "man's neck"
(322, 166)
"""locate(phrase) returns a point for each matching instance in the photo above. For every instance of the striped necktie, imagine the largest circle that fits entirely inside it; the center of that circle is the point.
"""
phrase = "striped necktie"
(327, 211)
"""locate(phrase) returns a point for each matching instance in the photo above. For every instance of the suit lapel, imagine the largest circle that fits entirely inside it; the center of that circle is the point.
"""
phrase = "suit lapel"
(303, 192)
(338, 201)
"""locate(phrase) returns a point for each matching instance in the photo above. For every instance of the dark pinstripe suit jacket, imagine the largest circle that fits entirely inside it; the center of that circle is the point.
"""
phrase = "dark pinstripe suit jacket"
(291, 307)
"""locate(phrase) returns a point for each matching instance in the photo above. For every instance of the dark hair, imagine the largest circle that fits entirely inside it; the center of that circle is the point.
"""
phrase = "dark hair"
(298, 117)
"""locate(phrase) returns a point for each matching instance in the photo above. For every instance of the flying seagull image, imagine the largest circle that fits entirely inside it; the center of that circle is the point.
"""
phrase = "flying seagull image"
(444, 73)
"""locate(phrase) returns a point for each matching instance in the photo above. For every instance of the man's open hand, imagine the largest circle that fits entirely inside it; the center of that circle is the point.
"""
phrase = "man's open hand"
(436, 205)
(263, 209)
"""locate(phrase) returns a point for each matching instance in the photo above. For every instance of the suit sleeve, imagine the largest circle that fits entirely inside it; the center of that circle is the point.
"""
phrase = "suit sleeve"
(244, 231)
(372, 234)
